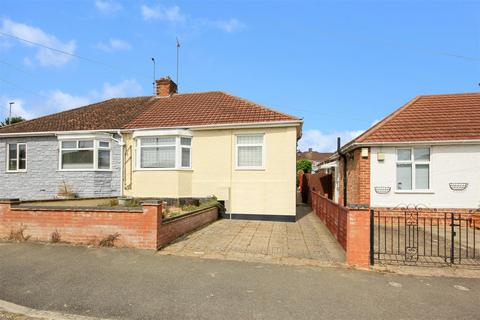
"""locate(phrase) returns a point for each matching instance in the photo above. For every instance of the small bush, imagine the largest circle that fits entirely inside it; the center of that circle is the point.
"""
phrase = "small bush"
(109, 241)
(18, 235)
(55, 237)
(304, 165)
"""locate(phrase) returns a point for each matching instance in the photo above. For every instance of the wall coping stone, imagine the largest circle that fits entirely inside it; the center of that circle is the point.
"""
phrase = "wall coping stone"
(187, 215)
(75, 208)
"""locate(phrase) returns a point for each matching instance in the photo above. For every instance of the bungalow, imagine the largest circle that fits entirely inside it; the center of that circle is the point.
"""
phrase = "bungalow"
(426, 154)
(165, 146)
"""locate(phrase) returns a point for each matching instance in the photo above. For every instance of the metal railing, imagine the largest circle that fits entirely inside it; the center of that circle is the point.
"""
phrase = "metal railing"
(415, 237)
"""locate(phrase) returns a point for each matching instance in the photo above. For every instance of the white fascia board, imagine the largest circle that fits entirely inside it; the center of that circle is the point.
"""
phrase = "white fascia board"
(55, 133)
(409, 143)
(166, 132)
(77, 136)
(249, 125)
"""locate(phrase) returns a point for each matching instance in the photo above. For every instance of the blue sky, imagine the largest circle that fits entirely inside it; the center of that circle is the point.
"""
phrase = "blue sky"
(341, 65)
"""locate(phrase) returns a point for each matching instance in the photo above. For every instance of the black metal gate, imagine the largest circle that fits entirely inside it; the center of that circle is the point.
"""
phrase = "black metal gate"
(415, 237)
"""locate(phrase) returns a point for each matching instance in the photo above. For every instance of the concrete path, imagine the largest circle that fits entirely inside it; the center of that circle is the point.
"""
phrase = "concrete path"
(129, 284)
(306, 241)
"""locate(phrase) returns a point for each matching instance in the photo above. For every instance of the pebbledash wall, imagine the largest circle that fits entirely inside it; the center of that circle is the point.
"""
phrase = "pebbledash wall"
(43, 178)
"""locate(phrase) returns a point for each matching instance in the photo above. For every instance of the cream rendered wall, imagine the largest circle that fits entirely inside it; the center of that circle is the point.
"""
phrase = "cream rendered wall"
(269, 191)
(164, 183)
(451, 163)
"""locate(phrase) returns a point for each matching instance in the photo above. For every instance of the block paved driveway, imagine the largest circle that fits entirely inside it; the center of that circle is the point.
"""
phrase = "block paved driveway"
(305, 242)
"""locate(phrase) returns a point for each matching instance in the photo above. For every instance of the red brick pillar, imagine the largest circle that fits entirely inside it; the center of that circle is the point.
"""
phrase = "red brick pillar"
(358, 237)
(152, 210)
(5, 205)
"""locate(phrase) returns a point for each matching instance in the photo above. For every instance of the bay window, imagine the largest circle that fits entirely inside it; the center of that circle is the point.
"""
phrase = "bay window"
(250, 153)
(164, 152)
(16, 157)
(413, 169)
(85, 154)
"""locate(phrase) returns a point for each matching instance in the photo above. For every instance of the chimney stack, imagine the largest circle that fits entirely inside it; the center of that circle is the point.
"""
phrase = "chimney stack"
(165, 87)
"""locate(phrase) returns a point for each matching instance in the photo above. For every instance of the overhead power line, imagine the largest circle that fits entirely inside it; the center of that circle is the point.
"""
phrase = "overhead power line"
(62, 52)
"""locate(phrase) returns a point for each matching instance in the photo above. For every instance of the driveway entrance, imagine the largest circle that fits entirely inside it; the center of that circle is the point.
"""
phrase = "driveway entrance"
(306, 241)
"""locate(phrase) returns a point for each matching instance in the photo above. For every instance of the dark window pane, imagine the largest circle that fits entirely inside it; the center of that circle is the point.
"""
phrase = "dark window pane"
(85, 144)
(22, 157)
(186, 157)
(69, 144)
(104, 159)
(77, 159)
(12, 157)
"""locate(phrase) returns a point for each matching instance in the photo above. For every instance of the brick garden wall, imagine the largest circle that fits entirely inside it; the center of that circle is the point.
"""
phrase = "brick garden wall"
(171, 229)
(138, 228)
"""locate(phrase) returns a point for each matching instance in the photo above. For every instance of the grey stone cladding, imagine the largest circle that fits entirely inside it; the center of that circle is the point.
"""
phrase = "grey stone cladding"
(43, 178)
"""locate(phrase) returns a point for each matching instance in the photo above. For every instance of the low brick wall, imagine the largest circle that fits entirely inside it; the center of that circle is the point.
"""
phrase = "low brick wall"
(351, 227)
(137, 228)
(173, 228)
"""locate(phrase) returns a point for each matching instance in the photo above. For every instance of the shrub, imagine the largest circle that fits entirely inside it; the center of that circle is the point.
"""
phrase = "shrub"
(18, 235)
(304, 165)
(55, 237)
(109, 241)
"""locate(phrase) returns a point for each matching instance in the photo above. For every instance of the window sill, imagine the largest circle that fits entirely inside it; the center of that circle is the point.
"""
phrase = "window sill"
(163, 169)
(85, 170)
(17, 171)
(415, 191)
(249, 169)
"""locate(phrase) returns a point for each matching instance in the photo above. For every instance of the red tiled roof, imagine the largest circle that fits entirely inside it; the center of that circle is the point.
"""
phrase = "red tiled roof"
(204, 109)
(109, 114)
(188, 109)
(430, 118)
(313, 155)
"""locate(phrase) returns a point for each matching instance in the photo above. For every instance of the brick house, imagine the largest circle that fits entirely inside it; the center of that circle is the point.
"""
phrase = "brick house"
(314, 156)
(425, 154)
(169, 145)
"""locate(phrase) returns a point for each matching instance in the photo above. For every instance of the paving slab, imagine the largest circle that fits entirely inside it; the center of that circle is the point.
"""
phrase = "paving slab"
(306, 241)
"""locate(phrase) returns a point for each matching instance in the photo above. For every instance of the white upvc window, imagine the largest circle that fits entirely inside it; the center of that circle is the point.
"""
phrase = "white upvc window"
(250, 151)
(413, 169)
(16, 157)
(85, 154)
(164, 152)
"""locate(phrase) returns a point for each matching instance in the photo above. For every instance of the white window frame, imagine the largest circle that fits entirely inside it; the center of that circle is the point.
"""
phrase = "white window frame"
(96, 148)
(178, 152)
(413, 163)
(18, 157)
(238, 145)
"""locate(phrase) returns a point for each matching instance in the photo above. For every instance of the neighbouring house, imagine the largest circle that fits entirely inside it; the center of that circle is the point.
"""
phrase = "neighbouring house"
(315, 157)
(165, 146)
(425, 154)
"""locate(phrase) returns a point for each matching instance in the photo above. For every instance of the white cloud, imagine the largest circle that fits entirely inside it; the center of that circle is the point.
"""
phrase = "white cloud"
(325, 142)
(114, 45)
(122, 89)
(59, 100)
(107, 6)
(174, 14)
(45, 57)
(18, 109)
(160, 12)
(229, 26)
